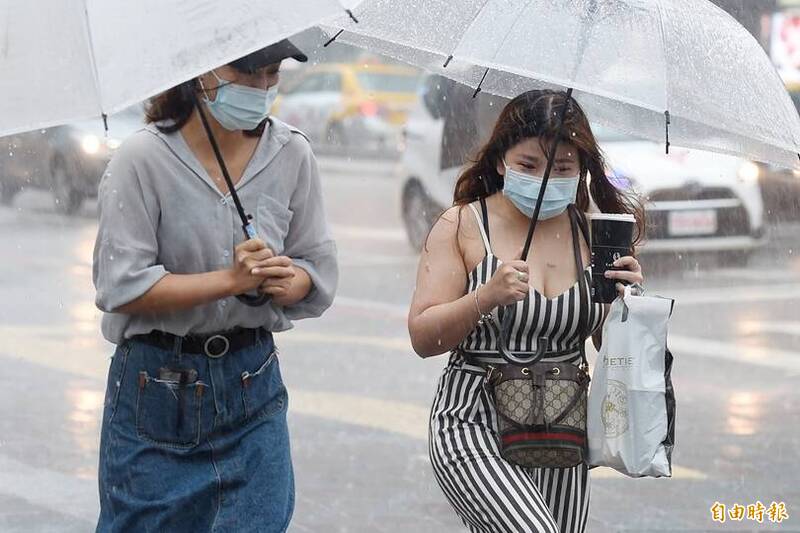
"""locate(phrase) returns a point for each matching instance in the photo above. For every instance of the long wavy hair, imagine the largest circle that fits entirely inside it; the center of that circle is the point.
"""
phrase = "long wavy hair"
(536, 114)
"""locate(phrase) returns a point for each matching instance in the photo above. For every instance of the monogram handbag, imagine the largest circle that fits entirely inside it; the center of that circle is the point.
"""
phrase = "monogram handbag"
(541, 406)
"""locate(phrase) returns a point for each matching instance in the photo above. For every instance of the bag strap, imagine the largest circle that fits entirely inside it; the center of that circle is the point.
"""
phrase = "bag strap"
(576, 221)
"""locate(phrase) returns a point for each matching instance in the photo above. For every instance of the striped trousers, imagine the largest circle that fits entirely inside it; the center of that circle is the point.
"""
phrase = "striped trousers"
(488, 493)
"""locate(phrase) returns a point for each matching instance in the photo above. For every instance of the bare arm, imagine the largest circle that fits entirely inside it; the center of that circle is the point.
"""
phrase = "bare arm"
(175, 292)
(441, 314)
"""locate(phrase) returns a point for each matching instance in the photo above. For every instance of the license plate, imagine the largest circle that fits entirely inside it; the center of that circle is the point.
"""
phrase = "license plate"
(685, 223)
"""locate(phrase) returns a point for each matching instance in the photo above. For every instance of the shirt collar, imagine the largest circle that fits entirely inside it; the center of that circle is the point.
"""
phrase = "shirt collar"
(276, 135)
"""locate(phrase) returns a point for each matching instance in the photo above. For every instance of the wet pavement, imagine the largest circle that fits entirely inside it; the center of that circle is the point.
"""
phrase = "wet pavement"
(359, 398)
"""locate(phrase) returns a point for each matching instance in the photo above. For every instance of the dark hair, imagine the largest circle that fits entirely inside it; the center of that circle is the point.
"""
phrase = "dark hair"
(536, 114)
(172, 109)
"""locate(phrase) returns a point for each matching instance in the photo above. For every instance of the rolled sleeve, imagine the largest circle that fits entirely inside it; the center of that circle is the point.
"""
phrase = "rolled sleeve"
(125, 262)
(310, 245)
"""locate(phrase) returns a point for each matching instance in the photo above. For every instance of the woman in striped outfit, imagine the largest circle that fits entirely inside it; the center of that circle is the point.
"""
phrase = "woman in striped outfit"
(469, 266)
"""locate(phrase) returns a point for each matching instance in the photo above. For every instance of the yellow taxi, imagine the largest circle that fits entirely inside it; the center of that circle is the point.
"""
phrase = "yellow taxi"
(359, 106)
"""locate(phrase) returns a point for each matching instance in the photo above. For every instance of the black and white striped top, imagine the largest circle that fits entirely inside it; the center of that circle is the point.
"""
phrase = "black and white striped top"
(536, 316)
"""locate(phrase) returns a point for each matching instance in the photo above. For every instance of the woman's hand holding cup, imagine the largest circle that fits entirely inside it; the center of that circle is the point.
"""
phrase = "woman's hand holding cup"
(630, 273)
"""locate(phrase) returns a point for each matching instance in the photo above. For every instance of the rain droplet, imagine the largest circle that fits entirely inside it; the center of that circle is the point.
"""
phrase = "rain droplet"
(120, 206)
(439, 342)
(110, 257)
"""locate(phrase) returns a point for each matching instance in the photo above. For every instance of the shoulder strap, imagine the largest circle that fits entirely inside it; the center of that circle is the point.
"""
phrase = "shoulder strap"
(483, 225)
(485, 212)
(584, 307)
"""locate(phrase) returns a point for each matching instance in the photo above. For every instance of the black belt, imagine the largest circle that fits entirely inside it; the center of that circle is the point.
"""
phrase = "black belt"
(211, 344)
(485, 359)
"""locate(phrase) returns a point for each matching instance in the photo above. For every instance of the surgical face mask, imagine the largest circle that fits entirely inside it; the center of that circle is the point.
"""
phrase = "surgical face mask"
(523, 191)
(239, 107)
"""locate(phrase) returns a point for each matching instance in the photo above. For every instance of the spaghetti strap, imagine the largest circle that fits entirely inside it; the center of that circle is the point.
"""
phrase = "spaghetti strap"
(484, 232)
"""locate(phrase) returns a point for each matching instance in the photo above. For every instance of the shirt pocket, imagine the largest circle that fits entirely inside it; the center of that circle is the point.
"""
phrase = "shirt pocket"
(272, 222)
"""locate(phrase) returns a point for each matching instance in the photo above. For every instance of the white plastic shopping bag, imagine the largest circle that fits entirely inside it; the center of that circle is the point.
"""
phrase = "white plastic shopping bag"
(631, 407)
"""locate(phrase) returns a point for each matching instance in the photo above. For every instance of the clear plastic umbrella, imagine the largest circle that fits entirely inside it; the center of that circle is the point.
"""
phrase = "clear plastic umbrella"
(680, 71)
(63, 61)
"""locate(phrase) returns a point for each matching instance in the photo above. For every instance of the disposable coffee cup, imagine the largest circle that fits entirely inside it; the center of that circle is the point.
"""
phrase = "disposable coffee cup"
(612, 236)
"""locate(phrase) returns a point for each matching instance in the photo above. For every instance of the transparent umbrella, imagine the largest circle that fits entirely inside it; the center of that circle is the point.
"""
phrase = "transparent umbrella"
(679, 71)
(67, 61)
(90, 58)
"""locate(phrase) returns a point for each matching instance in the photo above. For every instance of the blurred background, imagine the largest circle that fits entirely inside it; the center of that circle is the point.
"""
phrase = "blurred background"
(722, 240)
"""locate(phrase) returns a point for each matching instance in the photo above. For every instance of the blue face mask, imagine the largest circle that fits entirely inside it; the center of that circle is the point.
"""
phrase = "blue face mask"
(523, 191)
(238, 107)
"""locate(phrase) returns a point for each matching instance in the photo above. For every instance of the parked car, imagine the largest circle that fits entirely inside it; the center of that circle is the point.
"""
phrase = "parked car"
(780, 187)
(68, 160)
(359, 107)
(695, 201)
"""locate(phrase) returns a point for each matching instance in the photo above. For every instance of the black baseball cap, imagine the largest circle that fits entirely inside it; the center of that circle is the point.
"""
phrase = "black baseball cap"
(273, 53)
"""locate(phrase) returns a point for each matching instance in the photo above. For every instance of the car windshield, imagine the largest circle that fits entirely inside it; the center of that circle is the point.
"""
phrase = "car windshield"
(396, 83)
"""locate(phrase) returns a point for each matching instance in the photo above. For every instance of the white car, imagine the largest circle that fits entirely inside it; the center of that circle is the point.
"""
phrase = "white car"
(695, 201)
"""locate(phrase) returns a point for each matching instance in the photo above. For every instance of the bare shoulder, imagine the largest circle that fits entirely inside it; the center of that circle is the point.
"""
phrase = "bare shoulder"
(445, 228)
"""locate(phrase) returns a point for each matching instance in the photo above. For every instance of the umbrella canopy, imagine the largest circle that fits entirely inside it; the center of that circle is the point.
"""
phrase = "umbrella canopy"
(677, 69)
(70, 60)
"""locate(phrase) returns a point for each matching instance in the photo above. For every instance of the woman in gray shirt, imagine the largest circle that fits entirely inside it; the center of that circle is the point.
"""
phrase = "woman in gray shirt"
(194, 433)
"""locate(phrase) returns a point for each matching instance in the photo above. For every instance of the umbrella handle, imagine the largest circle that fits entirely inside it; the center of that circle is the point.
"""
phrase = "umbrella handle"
(550, 160)
(252, 300)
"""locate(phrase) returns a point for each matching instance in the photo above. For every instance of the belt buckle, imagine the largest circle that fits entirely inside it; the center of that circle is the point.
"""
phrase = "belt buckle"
(206, 346)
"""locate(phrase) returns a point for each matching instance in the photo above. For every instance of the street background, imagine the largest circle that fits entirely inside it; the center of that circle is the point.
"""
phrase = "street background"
(359, 397)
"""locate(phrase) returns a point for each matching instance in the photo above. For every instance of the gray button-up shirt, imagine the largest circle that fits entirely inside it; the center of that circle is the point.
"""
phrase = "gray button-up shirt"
(161, 213)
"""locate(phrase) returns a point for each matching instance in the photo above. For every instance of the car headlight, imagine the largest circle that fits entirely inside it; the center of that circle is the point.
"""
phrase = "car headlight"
(90, 144)
(749, 172)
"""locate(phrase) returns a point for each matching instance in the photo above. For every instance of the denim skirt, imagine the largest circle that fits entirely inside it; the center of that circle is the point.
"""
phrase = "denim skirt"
(210, 453)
